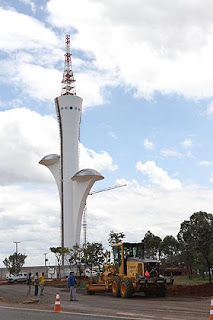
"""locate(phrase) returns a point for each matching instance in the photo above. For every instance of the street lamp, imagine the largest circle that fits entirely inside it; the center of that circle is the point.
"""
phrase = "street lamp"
(45, 263)
(16, 242)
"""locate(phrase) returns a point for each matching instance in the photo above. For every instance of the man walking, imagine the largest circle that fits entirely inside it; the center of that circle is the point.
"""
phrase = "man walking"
(71, 285)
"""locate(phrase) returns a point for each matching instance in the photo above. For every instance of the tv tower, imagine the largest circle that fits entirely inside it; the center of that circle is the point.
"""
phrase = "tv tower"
(73, 185)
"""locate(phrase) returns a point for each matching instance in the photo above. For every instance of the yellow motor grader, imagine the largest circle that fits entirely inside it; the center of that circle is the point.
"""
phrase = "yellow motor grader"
(130, 273)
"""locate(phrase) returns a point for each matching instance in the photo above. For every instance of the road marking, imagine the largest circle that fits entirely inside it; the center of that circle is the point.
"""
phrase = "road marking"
(133, 315)
(83, 314)
(126, 316)
(171, 319)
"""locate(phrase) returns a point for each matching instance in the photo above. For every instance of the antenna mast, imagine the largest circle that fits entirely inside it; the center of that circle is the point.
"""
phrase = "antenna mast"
(68, 82)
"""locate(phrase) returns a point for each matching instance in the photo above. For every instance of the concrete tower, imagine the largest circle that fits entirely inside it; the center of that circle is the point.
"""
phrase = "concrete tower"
(73, 185)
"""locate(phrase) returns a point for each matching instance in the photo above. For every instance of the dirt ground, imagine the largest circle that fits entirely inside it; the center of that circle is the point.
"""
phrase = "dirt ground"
(174, 307)
(205, 290)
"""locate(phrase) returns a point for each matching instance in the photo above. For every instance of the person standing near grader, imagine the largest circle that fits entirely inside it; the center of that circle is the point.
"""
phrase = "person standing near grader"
(72, 285)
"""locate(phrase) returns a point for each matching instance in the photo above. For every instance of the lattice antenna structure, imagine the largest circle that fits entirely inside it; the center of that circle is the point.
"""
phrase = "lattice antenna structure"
(68, 81)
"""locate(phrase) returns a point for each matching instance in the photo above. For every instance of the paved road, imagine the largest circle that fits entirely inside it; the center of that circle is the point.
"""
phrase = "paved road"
(14, 313)
(102, 306)
(9, 313)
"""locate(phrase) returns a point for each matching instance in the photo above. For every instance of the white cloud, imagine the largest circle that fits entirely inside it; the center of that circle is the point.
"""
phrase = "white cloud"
(171, 153)
(27, 208)
(162, 40)
(28, 214)
(210, 109)
(150, 208)
(148, 45)
(148, 144)
(30, 3)
(98, 161)
(206, 163)
(33, 64)
(158, 176)
(112, 134)
(90, 85)
(157, 62)
(26, 137)
(28, 32)
(33, 80)
(109, 130)
(211, 177)
(187, 143)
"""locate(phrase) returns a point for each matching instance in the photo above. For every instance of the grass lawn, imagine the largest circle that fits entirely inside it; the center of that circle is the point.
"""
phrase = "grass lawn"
(186, 281)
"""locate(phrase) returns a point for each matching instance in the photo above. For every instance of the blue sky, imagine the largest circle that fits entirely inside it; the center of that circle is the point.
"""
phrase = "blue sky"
(144, 71)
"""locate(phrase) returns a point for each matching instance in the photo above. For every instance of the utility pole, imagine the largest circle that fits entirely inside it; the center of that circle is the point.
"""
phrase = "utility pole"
(16, 242)
(45, 263)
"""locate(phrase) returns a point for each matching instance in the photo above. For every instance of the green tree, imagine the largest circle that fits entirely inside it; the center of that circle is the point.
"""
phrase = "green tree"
(15, 262)
(115, 237)
(197, 234)
(93, 254)
(59, 254)
(188, 257)
(151, 245)
(170, 251)
(74, 257)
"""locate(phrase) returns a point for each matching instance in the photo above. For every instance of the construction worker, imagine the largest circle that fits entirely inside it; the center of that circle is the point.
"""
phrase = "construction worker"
(29, 283)
(41, 283)
(36, 283)
(71, 284)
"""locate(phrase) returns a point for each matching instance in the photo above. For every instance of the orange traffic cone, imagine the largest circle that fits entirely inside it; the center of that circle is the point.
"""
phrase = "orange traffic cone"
(57, 307)
(147, 274)
(211, 309)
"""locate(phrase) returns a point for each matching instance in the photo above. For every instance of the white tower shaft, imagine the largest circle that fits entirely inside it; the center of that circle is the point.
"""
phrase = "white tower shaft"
(68, 108)
(73, 185)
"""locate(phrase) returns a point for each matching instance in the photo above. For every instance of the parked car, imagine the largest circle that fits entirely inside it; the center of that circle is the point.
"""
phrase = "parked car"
(20, 277)
(90, 273)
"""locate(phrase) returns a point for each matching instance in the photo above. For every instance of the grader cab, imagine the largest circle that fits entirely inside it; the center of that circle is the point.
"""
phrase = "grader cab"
(130, 273)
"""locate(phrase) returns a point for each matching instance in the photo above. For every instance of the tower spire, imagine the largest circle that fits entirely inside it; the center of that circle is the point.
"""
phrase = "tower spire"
(68, 82)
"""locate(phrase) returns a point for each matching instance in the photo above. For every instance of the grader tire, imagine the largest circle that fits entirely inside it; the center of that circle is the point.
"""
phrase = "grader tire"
(116, 287)
(162, 291)
(91, 293)
(126, 288)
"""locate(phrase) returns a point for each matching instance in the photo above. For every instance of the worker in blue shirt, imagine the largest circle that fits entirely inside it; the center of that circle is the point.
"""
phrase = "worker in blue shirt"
(72, 285)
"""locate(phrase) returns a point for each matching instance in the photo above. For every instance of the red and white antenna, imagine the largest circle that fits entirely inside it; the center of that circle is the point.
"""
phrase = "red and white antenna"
(68, 82)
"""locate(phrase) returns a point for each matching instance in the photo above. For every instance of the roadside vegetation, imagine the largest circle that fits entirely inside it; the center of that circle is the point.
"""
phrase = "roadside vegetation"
(15, 262)
(188, 257)
(193, 281)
